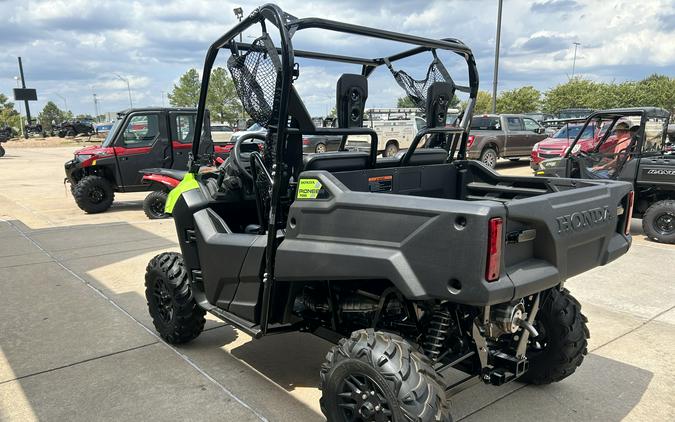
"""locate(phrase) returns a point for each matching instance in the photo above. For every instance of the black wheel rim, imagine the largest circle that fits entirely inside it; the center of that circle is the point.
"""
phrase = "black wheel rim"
(360, 399)
(96, 195)
(665, 223)
(157, 207)
(163, 301)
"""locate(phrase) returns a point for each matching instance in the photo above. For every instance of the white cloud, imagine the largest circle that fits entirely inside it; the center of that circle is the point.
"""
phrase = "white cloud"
(70, 46)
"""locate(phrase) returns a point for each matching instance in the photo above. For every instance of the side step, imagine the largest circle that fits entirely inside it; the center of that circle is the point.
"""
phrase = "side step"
(248, 327)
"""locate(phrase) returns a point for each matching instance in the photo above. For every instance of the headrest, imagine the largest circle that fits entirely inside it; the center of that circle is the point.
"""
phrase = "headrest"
(439, 95)
(352, 92)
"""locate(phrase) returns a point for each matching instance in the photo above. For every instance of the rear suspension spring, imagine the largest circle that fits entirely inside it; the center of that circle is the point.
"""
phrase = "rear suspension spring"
(437, 333)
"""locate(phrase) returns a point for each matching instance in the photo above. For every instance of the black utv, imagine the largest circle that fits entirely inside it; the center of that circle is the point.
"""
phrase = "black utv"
(632, 145)
(411, 265)
(75, 128)
(140, 138)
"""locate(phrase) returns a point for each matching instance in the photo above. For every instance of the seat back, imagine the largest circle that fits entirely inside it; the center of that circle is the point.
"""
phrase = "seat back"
(336, 161)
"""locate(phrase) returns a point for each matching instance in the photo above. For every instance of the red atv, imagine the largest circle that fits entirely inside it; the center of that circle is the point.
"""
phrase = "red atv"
(140, 138)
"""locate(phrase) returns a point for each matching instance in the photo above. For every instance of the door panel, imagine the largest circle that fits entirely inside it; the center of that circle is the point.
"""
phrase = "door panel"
(531, 128)
(144, 143)
(516, 139)
(182, 134)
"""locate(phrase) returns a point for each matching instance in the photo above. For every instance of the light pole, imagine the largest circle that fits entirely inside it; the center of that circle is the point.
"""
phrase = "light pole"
(65, 103)
(95, 105)
(131, 104)
(574, 61)
(239, 13)
(496, 71)
(18, 85)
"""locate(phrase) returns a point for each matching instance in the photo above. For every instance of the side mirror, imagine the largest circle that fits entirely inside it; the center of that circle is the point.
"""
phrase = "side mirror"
(539, 130)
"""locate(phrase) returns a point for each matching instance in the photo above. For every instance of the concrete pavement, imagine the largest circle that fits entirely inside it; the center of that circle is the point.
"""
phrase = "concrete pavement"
(76, 342)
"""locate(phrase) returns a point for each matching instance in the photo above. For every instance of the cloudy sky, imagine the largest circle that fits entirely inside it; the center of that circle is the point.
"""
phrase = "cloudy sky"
(74, 48)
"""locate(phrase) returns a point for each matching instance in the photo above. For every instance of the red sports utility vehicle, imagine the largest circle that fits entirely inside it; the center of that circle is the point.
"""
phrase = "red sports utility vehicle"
(556, 145)
(141, 138)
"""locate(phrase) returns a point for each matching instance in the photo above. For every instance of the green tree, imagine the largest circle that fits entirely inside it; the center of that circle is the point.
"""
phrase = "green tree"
(483, 103)
(8, 115)
(575, 93)
(51, 113)
(405, 102)
(222, 99)
(186, 92)
(520, 100)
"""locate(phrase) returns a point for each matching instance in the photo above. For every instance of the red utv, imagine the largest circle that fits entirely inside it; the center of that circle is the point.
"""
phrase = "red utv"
(140, 138)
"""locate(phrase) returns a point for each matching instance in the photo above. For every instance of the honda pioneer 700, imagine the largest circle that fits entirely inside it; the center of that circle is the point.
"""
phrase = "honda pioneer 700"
(629, 144)
(140, 138)
(411, 264)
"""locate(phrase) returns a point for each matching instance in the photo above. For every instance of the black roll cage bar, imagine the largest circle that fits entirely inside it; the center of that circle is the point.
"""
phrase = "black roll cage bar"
(615, 115)
(287, 26)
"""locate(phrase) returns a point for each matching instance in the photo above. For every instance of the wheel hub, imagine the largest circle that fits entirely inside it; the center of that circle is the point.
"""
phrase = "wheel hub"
(163, 300)
(361, 399)
(96, 195)
(665, 223)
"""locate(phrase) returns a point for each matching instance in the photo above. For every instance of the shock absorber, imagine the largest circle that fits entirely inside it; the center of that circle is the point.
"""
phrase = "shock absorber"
(437, 333)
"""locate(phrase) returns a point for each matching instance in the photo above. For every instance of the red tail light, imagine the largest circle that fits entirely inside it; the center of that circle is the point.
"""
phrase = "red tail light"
(305, 141)
(629, 212)
(494, 255)
(470, 140)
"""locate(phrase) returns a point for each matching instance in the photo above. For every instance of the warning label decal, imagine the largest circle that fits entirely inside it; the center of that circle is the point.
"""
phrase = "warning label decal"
(380, 183)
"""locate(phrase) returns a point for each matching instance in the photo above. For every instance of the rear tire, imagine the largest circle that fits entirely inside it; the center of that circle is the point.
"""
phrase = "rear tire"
(391, 149)
(658, 222)
(2, 151)
(563, 337)
(93, 194)
(153, 205)
(174, 311)
(62, 134)
(489, 157)
(375, 374)
(70, 134)
(320, 148)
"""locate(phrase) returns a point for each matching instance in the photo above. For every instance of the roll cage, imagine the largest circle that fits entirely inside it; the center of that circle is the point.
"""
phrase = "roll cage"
(287, 118)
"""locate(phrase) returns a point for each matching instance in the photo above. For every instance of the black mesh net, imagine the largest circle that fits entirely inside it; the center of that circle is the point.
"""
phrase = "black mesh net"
(256, 74)
(417, 89)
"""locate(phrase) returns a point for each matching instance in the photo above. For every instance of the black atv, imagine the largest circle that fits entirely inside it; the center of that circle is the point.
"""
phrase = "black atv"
(34, 129)
(75, 128)
(632, 145)
(6, 134)
(411, 265)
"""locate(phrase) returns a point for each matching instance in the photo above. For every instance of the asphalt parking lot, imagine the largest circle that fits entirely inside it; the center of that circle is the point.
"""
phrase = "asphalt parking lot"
(76, 341)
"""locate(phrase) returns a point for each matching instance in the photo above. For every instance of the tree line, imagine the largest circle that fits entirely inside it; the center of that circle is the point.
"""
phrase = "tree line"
(655, 90)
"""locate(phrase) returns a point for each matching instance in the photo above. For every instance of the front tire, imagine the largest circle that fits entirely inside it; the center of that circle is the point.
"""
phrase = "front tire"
(563, 339)
(2, 151)
(658, 222)
(93, 194)
(374, 376)
(391, 149)
(153, 205)
(174, 311)
(489, 157)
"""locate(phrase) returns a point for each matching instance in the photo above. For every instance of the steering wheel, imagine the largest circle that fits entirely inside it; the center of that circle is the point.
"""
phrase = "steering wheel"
(238, 158)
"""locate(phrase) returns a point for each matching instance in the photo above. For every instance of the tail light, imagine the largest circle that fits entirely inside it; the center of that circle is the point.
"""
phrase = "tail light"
(305, 141)
(494, 249)
(470, 140)
(629, 212)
